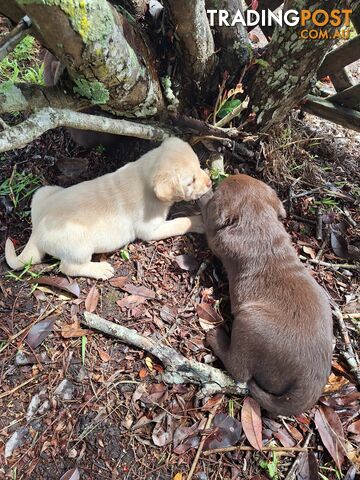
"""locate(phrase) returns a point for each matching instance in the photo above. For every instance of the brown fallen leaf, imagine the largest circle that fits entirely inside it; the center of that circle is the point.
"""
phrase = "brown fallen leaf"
(73, 330)
(92, 299)
(118, 282)
(213, 402)
(331, 432)
(186, 438)
(73, 474)
(284, 437)
(309, 251)
(251, 422)
(335, 383)
(354, 427)
(141, 291)
(59, 282)
(131, 301)
(40, 331)
(163, 431)
(226, 432)
(105, 357)
(208, 314)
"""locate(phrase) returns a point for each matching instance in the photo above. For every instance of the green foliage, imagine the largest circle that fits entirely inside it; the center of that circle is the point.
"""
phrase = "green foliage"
(271, 467)
(124, 254)
(228, 107)
(15, 67)
(19, 187)
(262, 63)
(217, 176)
(96, 92)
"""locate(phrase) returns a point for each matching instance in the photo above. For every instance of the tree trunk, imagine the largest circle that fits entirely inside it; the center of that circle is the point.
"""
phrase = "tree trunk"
(109, 61)
(291, 63)
(105, 57)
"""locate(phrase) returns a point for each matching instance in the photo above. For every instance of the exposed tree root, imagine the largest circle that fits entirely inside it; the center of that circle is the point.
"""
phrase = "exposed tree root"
(49, 118)
(178, 369)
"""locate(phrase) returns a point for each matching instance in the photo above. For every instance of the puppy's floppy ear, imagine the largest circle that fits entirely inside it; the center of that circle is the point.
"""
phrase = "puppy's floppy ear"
(166, 186)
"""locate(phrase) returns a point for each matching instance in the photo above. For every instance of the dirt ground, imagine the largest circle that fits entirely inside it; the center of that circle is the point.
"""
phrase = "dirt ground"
(71, 398)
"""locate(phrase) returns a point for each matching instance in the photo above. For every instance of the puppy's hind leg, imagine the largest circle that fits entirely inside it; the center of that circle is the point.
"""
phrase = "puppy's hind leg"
(98, 270)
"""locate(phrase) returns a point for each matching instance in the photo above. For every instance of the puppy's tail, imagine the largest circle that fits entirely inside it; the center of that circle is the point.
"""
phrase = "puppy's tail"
(296, 401)
(31, 253)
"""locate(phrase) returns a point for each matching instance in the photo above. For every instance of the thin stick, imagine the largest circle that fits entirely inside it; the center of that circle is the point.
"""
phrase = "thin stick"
(201, 445)
(293, 470)
(333, 266)
(319, 224)
(9, 42)
(15, 389)
(244, 448)
(349, 354)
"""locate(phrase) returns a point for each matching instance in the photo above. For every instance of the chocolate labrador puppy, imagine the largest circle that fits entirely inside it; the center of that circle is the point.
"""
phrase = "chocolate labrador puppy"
(281, 338)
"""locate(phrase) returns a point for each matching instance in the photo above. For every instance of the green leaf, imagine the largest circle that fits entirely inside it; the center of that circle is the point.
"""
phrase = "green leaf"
(262, 63)
(228, 107)
(124, 254)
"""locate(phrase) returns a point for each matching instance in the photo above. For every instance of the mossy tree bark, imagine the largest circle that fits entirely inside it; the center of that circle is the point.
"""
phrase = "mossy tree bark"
(291, 63)
(103, 54)
(108, 59)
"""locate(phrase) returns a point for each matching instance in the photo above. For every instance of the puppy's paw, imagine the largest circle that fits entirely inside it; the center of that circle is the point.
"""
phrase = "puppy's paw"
(103, 270)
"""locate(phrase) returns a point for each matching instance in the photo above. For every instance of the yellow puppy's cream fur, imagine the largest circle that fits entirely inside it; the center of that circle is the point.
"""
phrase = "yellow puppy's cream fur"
(108, 212)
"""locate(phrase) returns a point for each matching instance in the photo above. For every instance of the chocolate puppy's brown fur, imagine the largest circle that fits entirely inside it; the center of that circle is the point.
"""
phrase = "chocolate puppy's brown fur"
(281, 338)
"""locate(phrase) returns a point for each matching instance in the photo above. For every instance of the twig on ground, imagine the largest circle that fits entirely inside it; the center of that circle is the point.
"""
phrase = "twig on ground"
(303, 219)
(349, 217)
(293, 470)
(202, 443)
(48, 118)
(323, 246)
(9, 42)
(245, 448)
(178, 369)
(15, 389)
(349, 353)
(319, 224)
(333, 266)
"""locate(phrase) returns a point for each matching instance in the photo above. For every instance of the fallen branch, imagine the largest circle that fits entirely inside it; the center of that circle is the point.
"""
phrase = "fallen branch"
(49, 118)
(349, 353)
(202, 443)
(333, 266)
(244, 448)
(178, 369)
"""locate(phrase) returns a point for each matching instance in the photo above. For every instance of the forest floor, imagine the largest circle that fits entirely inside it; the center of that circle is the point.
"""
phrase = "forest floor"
(73, 398)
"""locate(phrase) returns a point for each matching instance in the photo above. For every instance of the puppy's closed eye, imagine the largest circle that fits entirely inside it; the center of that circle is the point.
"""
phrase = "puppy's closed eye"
(191, 182)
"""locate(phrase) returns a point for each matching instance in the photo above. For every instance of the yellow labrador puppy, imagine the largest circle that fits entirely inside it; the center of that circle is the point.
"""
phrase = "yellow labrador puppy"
(104, 214)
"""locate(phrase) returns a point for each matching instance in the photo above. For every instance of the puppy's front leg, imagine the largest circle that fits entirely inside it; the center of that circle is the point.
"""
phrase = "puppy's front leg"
(178, 226)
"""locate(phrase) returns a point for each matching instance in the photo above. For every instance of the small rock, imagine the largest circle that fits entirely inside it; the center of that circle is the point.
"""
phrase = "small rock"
(16, 440)
(65, 390)
(34, 404)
